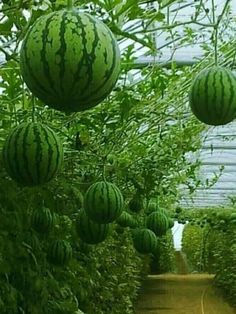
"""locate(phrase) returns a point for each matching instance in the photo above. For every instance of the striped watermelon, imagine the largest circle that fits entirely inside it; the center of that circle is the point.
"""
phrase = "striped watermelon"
(103, 202)
(144, 241)
(158, 223)
(70, 60)
(59, 252)
(42, 220)
(89, 231)
(136, 204)
(212, 96)
(32, 154)
(126, 220)
(153, 206)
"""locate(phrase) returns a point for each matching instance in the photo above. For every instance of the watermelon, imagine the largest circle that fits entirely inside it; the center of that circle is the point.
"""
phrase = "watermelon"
(32, 154)
(126, 220)
(144, 241)
(59, 252)
(103, 202)
(136, 204)
(70, 60)
(89, 231)
(158, 223)
(212, 96)
(42, 220)
(153, 205)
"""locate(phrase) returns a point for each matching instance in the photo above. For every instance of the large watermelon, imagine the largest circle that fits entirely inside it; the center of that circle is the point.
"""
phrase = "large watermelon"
(144, 241)
(158, 223)
(212, 96)
(89, 231)
(42, 220)
(70, 60)
(103, 202)
(59, 252)
(32, 154)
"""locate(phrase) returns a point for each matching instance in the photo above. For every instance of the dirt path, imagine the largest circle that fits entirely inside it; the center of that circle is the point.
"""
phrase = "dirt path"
(181, 294)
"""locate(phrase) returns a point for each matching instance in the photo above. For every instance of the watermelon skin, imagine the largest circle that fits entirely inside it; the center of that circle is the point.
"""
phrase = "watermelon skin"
(59, 252)
(32, 154)
(70, 60)
(136, 204)
(42, 220)
(212, 96)
(144, 241)
(153, 206)
(158, 223)
(126, 220)
(103, 202)
(89, 231)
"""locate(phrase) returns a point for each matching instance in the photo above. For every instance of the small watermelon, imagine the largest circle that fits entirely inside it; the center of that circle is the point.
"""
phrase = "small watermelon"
(59, 252)
(103, 202)
(126, 220)
(212, 96)
(144, 241)
(70, 60)
(89, 231)
(32, 154)
(42, 220)
(136, 204)
(158, 223)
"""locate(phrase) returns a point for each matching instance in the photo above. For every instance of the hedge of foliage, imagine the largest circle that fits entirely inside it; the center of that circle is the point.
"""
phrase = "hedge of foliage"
(164, 259)
(96, 278)
(209, 242)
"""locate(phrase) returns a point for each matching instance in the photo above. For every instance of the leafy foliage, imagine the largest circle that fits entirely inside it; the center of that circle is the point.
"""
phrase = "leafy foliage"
(209, 243)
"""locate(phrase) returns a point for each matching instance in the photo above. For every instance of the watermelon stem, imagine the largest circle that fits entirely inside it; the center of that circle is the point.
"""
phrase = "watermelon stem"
(70, 4)
(215, 32)
(104, 173)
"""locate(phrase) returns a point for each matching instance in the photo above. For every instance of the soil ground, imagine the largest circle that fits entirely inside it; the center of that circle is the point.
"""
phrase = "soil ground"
(181, 294)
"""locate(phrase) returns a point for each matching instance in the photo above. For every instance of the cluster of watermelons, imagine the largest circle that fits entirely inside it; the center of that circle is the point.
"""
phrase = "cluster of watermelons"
(156, 223)
(59, 252)
(212, 96)
(70, 60)
(103, 204)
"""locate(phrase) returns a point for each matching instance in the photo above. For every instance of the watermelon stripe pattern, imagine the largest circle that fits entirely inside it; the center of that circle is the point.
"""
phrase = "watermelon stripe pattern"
(144, 241)
(212, 96)
(42, 220)
(60, 252)
(136, 204)
(158, 223)
(103, 202)
(32, 154)
(126, 220)
(70, 60)
(91, 232)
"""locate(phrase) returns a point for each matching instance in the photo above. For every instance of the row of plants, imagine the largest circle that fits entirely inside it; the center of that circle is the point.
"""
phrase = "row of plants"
(209, 240)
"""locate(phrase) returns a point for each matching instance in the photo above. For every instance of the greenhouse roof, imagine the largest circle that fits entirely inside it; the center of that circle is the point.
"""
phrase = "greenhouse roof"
(218, 152)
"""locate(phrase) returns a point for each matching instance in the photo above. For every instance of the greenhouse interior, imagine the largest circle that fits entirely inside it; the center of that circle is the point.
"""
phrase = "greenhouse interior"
(118, 163)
